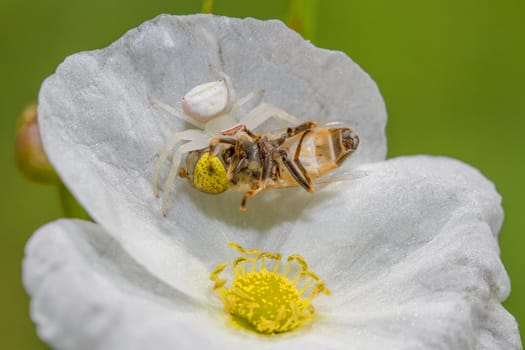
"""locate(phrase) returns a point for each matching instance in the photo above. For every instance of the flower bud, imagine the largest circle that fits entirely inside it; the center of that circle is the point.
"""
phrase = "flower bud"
(30, 157)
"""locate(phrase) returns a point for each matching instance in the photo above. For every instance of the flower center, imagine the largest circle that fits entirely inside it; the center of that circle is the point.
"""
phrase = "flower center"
(268, 300)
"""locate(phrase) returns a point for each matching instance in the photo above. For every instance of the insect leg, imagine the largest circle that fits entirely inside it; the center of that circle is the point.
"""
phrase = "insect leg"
(296, 174)
(236, 162)
(234, 129)
(215, 141)
(248, 195)
(304, 127)
(245, 129)
(293, 131)
(186, 135)
(297, 161)
(231, 130)
(262, 182)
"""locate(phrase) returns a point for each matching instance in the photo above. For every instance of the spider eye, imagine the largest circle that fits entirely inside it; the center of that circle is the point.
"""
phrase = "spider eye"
(209, 174)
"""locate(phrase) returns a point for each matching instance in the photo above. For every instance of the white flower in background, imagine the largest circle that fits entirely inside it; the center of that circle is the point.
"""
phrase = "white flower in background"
(409, 252)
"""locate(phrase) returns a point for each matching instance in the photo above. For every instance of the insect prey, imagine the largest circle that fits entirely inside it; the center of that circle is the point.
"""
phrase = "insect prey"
(250, 162)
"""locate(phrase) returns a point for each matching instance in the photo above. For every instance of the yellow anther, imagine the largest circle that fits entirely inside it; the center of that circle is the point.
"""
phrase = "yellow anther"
(300, 260)
(209, 174)
(268, 255)
(214, 276)
(243, 250)
(309, 274)
(239, 269)
(218, 269)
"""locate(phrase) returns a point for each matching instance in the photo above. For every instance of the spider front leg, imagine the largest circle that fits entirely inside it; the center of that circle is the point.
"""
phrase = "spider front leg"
(169, 184)
(252, 95)
(266, 111)
(186, 135)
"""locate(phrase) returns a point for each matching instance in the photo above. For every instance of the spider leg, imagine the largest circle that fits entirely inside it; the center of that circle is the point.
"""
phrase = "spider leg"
(266, 111)
(174, 169)
(231, 91)
(248, 97)
(244, 100)
(233, 105)
(186, 135)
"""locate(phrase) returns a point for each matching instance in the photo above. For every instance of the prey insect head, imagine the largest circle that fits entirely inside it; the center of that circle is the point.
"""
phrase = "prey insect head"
(349, 139)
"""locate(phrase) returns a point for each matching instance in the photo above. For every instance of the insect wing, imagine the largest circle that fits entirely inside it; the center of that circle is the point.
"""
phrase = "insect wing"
(350, 175)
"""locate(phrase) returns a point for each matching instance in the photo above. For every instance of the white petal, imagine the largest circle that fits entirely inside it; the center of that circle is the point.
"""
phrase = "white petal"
(102, 134)
(87, 293)
(410, 253)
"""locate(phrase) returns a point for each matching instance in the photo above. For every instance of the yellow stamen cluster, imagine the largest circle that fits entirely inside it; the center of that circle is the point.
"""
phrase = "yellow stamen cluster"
(266, 300)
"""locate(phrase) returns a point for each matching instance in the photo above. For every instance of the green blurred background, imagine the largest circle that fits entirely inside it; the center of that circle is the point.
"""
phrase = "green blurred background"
(452, 74)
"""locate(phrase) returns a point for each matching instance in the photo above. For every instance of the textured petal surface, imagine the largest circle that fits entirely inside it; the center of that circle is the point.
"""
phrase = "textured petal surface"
(87, 293)
(412, 258)
(409, 251)
(102, 134)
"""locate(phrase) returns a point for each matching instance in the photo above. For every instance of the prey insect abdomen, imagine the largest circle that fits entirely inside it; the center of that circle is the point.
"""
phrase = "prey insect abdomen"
(326, 148)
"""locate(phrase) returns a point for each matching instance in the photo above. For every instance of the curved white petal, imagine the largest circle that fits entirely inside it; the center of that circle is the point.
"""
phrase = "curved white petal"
(409, 252)
(87, 293)
(102, 134)
(396, 208)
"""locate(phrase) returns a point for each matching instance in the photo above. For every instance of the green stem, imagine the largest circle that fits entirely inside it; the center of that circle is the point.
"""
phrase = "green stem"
(207, 6)
(302, 17)
(70, 206)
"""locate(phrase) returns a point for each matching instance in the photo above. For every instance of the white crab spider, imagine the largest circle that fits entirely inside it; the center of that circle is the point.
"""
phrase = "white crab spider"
(212, 108)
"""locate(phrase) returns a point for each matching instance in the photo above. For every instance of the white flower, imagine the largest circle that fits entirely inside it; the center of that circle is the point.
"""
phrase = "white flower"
(409, 251)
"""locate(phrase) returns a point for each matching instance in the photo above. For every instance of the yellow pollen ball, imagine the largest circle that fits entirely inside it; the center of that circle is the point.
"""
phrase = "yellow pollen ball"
(266, 300)
(209, 175)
